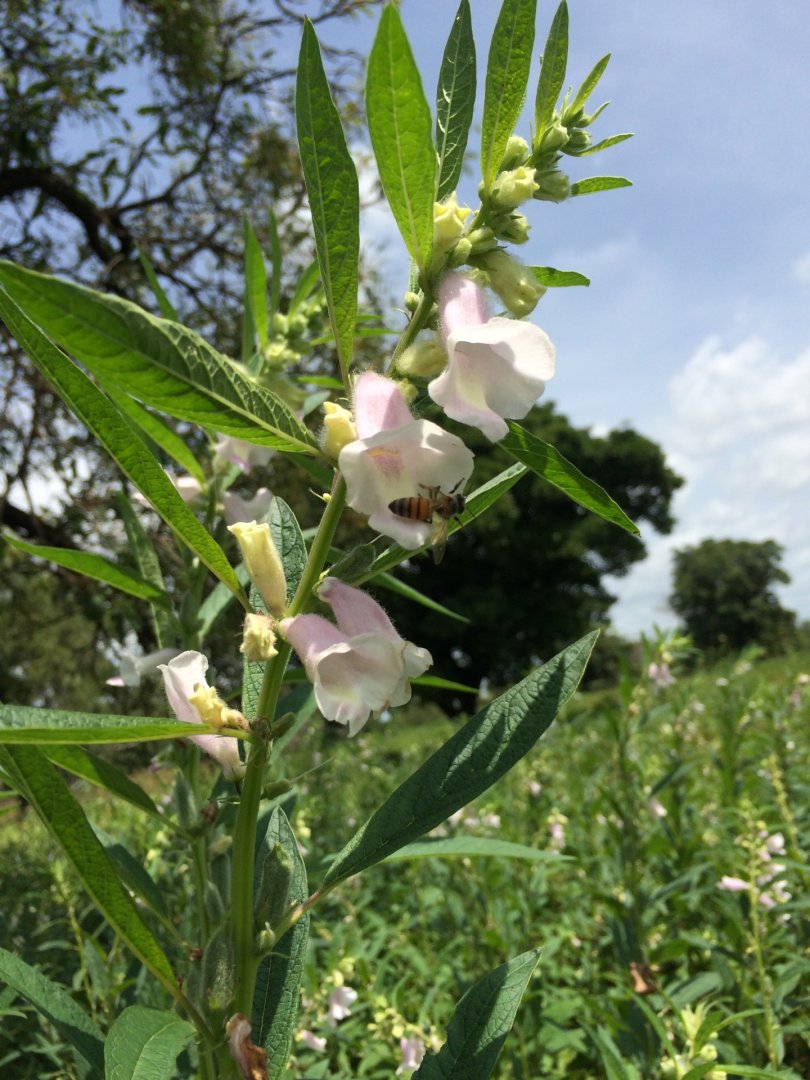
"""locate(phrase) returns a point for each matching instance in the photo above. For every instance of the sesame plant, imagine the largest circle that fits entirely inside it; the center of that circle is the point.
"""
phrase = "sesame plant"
(216, 971)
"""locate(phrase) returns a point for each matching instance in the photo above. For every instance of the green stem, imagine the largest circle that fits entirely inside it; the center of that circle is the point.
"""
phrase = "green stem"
(244, 840)
(417, 323)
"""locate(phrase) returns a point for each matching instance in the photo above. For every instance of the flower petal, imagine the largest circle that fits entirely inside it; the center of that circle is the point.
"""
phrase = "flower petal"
(378, 405)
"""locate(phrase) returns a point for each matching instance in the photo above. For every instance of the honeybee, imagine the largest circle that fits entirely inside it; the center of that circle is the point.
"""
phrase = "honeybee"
(436, 507)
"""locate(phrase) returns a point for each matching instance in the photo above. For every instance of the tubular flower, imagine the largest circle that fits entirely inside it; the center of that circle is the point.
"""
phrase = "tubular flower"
(360, 666)
(232, 451)
(181, 678)
(235, 508)
(397, 457)
(498, 367)
(263, 562)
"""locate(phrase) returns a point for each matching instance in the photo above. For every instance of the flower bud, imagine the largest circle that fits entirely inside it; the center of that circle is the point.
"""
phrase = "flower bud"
(578, 141)
(514, 187)
(338, 429)
(411, 301)
(423, 359)
(553, 186)
(263, 563)
(513, 227)
(554, 137)
(517, 287)
(259, 638)
(482, 240)
(517, 150)
(460, 253)
(213, 710)
(448, 223)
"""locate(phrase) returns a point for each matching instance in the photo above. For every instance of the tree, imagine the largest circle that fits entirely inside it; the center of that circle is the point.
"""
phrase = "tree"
(532, 573)
(723, 592)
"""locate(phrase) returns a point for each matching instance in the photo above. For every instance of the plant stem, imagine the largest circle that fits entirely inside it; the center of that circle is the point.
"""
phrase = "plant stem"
(244, 840)
(417, 322)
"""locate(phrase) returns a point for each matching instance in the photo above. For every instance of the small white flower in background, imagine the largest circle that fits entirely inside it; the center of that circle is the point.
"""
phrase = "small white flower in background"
(697, 707)
(134, 663)
(722, 681)
(413, 1050)
(340, 1004)
(732, 884)
(397, 457)
(490, 821)
(360, 666)
(235, 508)
(656, 808)
(239, 452)
(660, 675)
(535, 788)
(188, 488)
(556, 831)
(497, 368)
(182, 677)
(314, 1042)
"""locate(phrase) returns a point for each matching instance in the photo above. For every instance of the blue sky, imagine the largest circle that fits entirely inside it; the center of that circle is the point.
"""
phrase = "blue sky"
(695, 329)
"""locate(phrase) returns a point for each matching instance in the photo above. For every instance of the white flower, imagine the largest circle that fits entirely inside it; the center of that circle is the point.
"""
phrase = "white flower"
(188, 488)
(732, 884)
(235, 508)
(181, 677)
(133, 664)
(497, 367)
(359, 666)
(396, 457)
(413, 1050)
(314, 1042)
(340, 1004)
(240, 452)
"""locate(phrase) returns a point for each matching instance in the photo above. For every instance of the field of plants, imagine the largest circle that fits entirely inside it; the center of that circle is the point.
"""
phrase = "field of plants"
(653, 846)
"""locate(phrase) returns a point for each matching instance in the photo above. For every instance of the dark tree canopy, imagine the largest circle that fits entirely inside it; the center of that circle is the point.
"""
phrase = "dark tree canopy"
(530, 575)
(723, 592)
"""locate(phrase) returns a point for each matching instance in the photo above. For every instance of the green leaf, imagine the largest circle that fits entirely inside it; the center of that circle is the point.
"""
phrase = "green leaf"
(549, 463)
(399, 124)
(275, 262)
(612, 140)
(216, 602)
(510, 58)
(552, 71)
(589, 85)
(55, 1003)
(444, 684)
(388, 581)
(479, 501)
(301, 702)
(149, 567)
(143, 1044)
(455, 101)
(557, 279)
(133, 874)
(480, 1023)
(59, 811)
(276, 1000)
(471, 847)
(118, 438)
(161, 435)
(95, 770)
(27, 724)
(255, 292)
(164, 303)
(303, 290)
(334, 198)
(161, 363)
(468, 764)
(92, 566)
(599, 183)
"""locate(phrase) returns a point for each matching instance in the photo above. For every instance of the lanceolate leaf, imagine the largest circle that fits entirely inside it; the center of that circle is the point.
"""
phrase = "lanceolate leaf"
(27, 724)
(399, 124)
(161, 363)
(119, 439)
(480, 1024)
(255, 287)
(165, 305)
(612, 140)
(552, 71)
(57, 1005)
(161, 435)
(455, 101)
(593, 184)
(143, 1044)
(93, 566)
(388, 581)
(334, 198)
(589, 85)
(549, 463)
(469, 847)
(49, 796)
(468, 764)
(510, 58)
(95, 770)
(148, 564)
(557, 279)
(276, 1001)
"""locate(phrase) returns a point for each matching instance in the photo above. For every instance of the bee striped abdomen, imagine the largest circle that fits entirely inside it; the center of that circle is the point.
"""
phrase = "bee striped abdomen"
(414, 508)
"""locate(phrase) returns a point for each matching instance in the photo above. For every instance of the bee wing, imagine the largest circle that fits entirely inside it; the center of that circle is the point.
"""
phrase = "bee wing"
(439, 539)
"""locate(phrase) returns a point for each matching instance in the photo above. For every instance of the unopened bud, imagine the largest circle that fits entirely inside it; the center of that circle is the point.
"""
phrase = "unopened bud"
(448, 222)
(514, 187)
(276, 789)
(482, 240)
(553, 186)
(514, 228)
(266, 940)
(460, 253)
(517, 287)
(578, 141)
(409, 391)
(283, 724)
(213, 710)
(263, 563)
(338, 429)
(411, 301)
(423, 359)
(259, 637)
(554, 138)
(517, 150)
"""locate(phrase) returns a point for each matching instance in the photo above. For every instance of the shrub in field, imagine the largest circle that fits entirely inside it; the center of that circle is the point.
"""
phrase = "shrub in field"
(194, 950)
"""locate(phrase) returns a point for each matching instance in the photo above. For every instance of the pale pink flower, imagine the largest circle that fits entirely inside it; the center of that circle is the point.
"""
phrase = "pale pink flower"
(235, 508)
(240, 452)
(397, 457)
(181, 677)
(556, 832)
(360, 666)
(314, 1042)
(134, 664)
(413, 1050)
(497, 367)
(188, 488)
(732, 884)
(340, 1004)
(657, 809)
(660, 675)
